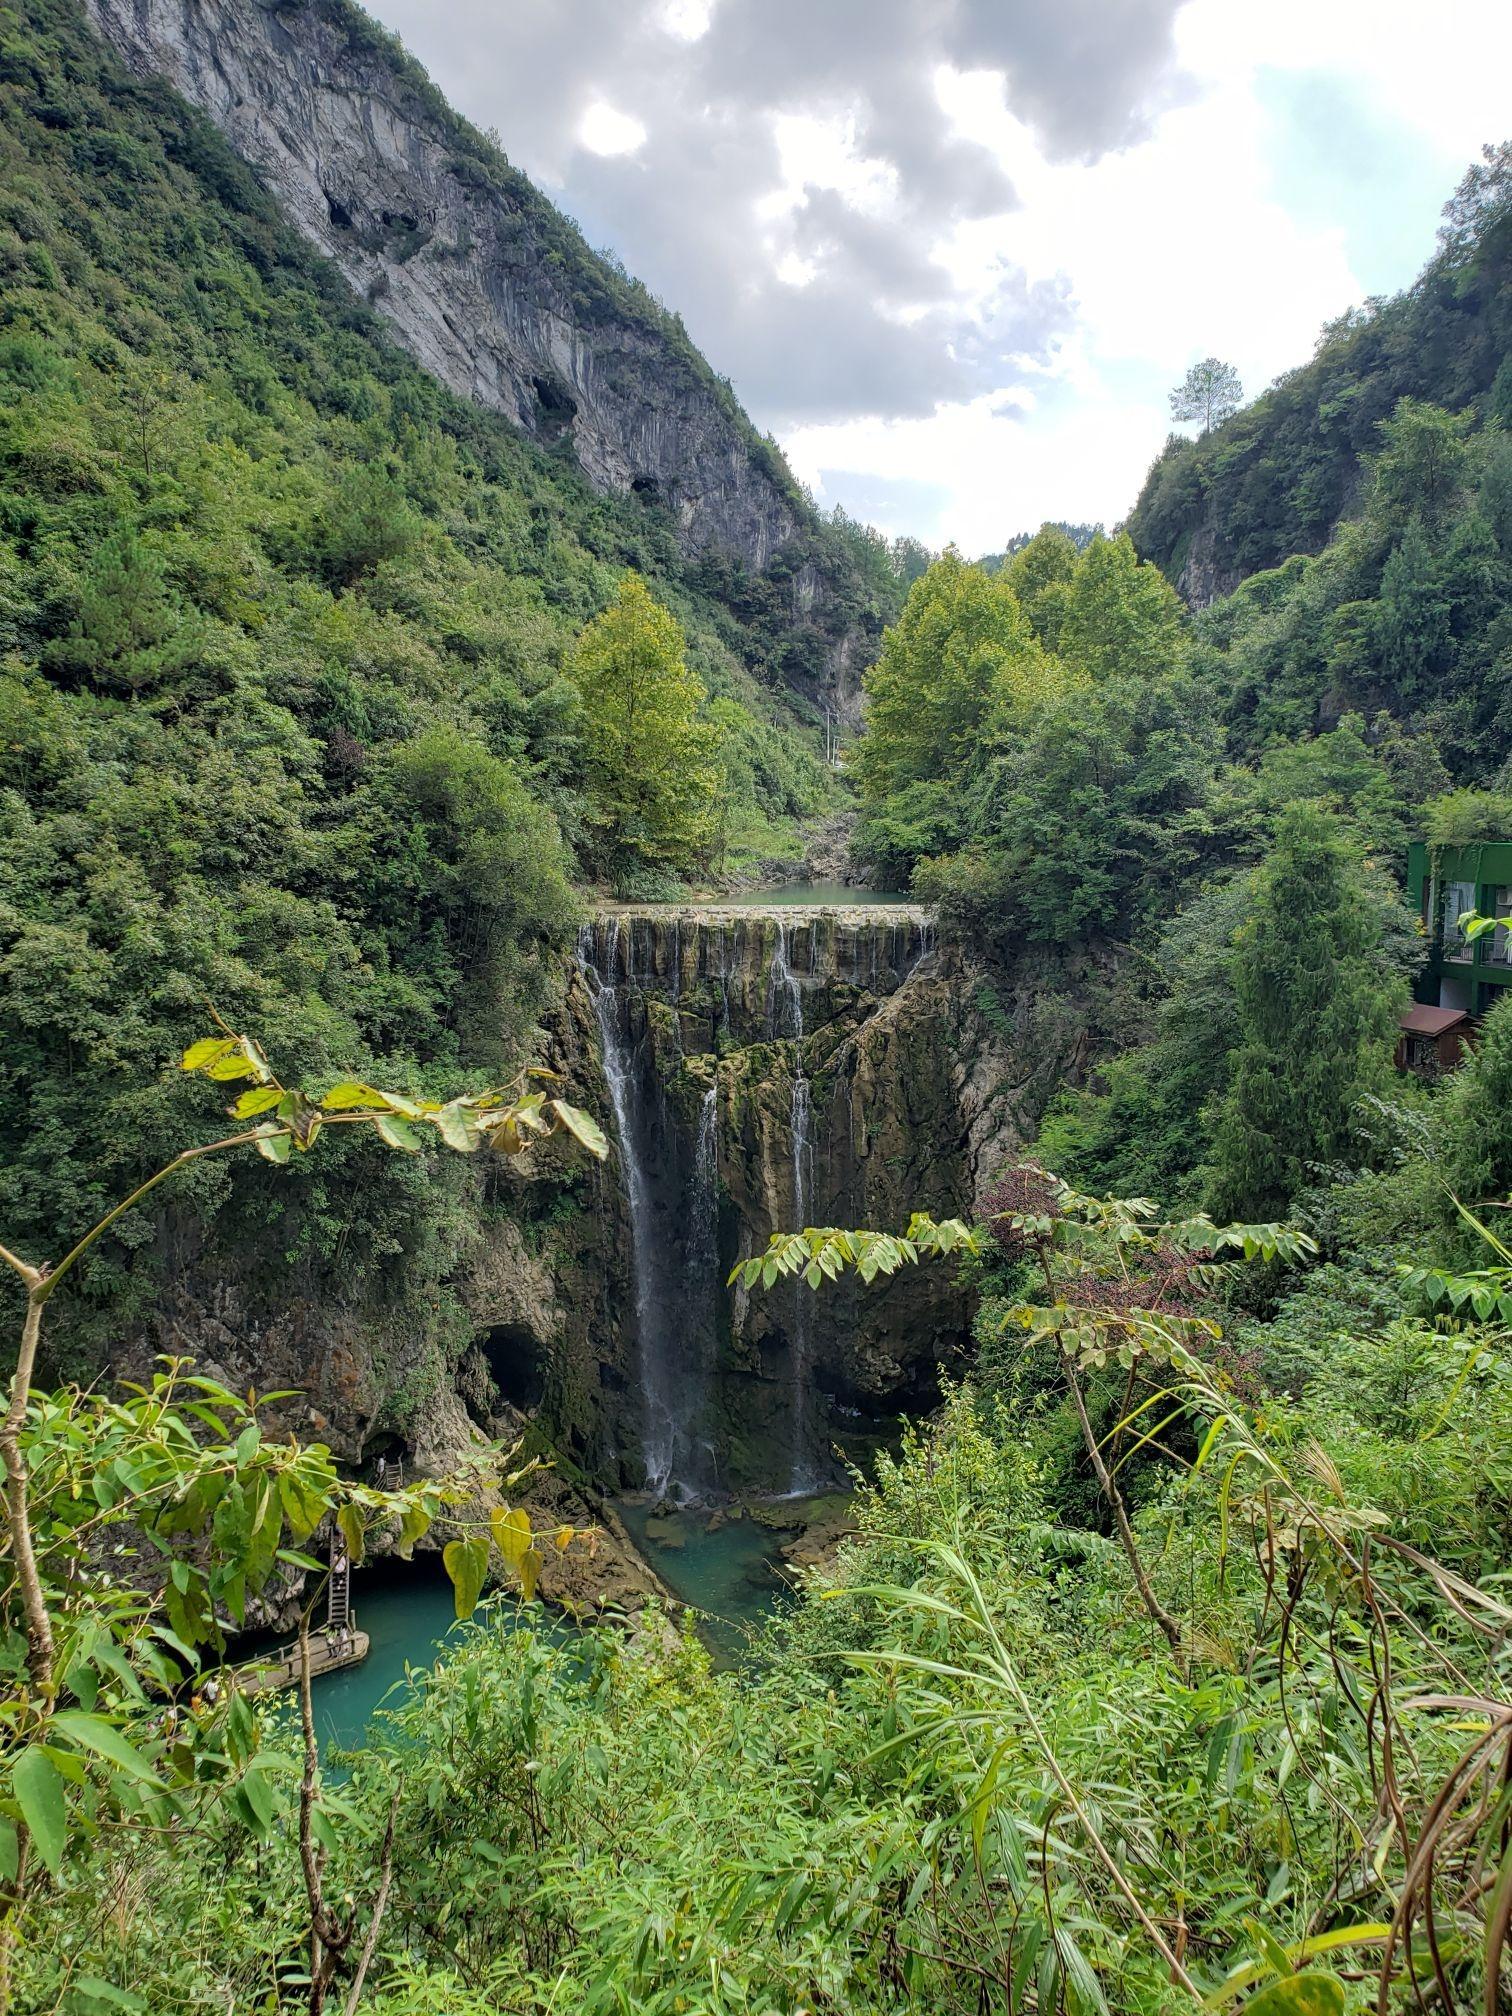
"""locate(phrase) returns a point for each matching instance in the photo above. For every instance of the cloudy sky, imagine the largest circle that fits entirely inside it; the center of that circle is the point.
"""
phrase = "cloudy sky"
(953, 253)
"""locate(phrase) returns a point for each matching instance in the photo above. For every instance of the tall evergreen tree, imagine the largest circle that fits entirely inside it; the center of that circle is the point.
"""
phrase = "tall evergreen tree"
(1210, 392)
(1315, 1012)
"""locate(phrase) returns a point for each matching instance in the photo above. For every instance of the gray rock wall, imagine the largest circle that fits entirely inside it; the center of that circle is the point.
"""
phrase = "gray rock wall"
(464, 259)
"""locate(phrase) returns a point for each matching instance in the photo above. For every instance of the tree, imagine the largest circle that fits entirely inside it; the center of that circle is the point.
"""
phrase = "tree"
(1121, 617)
(1477, 1149)
(961, 652)
(1315, 1012)
(1420, 470)
(369, 520)
(1040, 572)
(131, 633)
(649, 757)
(184, 1463)
(1210, 392)
(479, 863)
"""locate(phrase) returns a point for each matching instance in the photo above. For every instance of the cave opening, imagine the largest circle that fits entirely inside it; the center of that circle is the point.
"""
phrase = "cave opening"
(516, 1364)
(555, 403)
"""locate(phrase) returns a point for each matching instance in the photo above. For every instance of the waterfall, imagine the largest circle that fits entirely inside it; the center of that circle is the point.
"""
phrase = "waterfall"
(784, 1014)
(664, 1396)
(706, 1285)
(672, 1202)
(802, 1473)
(671, 995)
(784, 996)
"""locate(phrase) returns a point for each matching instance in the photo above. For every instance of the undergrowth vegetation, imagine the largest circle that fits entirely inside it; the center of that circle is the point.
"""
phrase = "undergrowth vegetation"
(969, 1769)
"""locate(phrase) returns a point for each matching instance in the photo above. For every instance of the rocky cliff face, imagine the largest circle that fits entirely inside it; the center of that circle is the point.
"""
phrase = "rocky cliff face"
(767, 1070)
(758, 1070)
(487, 285)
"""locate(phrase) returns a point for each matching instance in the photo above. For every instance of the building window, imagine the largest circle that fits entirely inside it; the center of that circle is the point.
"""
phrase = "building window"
(1500, 953)
(1458, 898)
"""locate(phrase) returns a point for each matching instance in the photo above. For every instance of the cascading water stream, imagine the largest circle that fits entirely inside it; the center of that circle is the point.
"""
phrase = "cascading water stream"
(660, 1434)
(673, 996)
(785, 1019)
(703, 1270)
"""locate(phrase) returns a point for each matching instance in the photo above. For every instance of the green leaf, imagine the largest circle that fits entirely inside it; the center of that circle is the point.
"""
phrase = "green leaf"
(353, 1531)
(274, 1147)
(260, 1803)
(414, 1525)
(466, 1562)
(208, 1050)
(582, 1127)
(511, 1534)
(1311, 1994)
(226, 1070)
(90, 1988)
(259, 1100)
(90, 1732)
(351, 1093)
(39, 1794)
(456, 1129)
(399, 1133)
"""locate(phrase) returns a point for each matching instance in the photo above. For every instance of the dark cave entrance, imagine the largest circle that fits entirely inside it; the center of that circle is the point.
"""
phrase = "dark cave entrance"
(516, 1364)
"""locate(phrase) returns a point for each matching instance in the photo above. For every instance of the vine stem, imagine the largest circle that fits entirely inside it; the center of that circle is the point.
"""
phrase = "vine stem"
(1162, 1617)
(1114, 1496)
(41, 1655)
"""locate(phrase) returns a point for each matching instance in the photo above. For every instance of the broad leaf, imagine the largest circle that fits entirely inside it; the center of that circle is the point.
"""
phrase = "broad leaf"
(209, 1050)
(456, 1128)
(39, 1794)
(582, 1127)
(466, 1562)
(105, 1740)
(400, 1133)
(1311, 1994)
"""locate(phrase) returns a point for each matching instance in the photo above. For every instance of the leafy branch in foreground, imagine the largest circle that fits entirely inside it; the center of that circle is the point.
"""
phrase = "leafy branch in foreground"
(1381, 1662)
(1118, 1285)
(820, 1254)
(176, 1482)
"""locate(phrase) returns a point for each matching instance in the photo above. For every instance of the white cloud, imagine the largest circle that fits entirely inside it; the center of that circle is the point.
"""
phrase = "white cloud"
(1005, 466)
(1173, 248)
(603, 130)
(967, 247)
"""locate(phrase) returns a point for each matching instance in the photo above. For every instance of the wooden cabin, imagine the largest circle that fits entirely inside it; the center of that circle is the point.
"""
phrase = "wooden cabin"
(1432, 1040)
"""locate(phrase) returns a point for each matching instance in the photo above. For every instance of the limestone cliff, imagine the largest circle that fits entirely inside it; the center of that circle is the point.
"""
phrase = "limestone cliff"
(757, 1069)
(481, 279)
(767, 1069)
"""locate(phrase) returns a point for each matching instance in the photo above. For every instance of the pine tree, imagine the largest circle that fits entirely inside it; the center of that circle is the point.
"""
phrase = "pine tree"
(650, 759)
(1210, 392)
(1315, 1011)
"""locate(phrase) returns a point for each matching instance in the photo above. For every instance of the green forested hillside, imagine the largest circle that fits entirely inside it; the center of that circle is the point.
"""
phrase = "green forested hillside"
(1104, 793)
(1275, 479)
(1166, 1667)
(285, 658)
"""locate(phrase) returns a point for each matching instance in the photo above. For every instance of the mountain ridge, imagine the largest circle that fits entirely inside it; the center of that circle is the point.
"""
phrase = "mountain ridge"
(1279, 477)
(486, 284)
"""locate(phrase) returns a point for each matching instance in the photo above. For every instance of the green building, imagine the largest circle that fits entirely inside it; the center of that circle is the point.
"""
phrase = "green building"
(1443, 883)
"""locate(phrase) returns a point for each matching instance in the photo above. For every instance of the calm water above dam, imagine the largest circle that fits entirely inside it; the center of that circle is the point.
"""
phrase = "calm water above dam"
(818, 895)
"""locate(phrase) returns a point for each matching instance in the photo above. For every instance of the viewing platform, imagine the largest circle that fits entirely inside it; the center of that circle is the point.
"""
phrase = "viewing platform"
(330, 1652)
